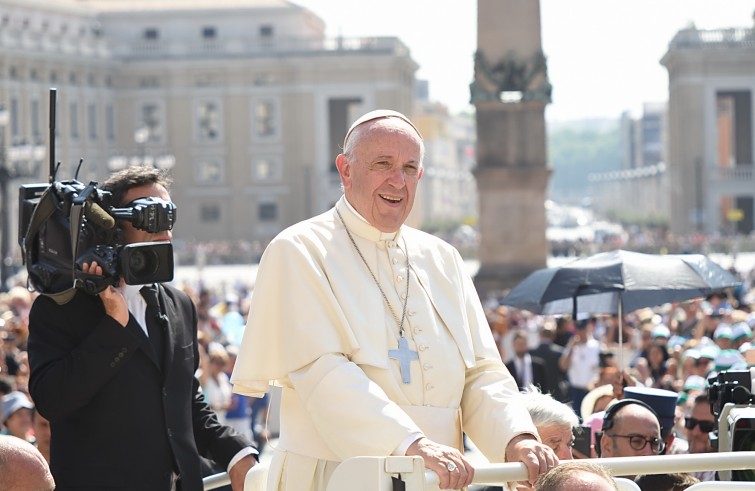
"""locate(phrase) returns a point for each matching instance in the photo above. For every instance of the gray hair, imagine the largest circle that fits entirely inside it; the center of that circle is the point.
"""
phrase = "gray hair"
(545, 410)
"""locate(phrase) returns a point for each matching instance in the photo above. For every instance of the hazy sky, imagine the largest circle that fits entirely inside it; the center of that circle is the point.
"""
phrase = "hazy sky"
(603, 55)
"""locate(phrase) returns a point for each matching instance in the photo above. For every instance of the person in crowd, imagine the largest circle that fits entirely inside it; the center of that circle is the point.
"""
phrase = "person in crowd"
(387, 350)
(686, 316)
(663, 402)
(551, 352)
(699, 424)
(7, 385)
(722, 336)
(261, 434)
(22, 467)
(42, 434)
(564, 330)
(577, 475)
(645, 337)
(630, 428)
(214, 380)
(526, 369)
(657, 358)
(15, 415)
(114, 373)
(238, 415)
(741, 333)
(666, 482)
(581, 362)
(555, 423)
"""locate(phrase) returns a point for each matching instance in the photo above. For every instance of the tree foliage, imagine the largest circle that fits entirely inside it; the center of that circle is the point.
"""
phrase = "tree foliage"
(578, 149)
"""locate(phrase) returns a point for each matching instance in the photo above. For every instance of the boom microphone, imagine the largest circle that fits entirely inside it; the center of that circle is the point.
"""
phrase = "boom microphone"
(97, 215)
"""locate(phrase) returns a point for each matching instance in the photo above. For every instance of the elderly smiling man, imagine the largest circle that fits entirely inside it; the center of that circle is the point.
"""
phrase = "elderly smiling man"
(376, 334)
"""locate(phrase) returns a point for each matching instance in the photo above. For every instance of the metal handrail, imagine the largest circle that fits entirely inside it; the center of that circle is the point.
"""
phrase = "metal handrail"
(624, 466)
(418, 478)
(722, 486)
(216, 481)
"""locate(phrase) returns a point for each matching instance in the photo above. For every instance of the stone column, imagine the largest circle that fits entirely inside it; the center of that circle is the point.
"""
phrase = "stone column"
(510, 91)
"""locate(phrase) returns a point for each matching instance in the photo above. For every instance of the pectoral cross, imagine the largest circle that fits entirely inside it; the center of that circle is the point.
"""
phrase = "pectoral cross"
(404, 356)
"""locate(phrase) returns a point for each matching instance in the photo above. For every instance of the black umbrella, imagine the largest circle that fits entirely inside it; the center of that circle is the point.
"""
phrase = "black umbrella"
(619, 281)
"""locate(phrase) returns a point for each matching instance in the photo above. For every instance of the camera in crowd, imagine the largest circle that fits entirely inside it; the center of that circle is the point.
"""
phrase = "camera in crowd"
(733, 404)
(64, 224)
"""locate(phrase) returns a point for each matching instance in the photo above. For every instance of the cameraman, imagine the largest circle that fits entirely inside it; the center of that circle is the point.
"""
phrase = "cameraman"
(125, 408)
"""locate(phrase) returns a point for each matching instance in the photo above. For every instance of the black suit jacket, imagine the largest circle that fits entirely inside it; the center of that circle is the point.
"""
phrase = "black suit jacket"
(551, 353)
(539, 373)
(117, 420)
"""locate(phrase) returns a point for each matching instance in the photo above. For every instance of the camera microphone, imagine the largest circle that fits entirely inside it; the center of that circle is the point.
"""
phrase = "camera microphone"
(97, 215)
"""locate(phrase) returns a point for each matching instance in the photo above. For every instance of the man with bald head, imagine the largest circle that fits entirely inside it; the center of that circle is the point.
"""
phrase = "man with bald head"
(630, 429)
(22, 467)
(376, 334)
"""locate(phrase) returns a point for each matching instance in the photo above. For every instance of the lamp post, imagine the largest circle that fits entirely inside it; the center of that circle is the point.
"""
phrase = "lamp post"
(163, 161)
(19, 161)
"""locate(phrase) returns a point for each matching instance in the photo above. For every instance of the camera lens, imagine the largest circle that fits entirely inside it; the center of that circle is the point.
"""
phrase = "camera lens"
(142, 263)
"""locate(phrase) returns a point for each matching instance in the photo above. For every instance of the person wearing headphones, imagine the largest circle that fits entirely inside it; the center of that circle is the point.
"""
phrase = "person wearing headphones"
(630, 428)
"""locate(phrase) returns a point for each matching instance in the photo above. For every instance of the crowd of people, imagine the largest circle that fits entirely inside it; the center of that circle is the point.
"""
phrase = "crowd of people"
(388, 351)
(644, 392)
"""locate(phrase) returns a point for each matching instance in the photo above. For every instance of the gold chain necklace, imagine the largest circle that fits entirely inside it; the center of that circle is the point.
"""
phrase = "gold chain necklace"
(385, 297)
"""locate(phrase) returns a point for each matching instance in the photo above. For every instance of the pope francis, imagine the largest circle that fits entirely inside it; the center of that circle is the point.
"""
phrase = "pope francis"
(375, 333)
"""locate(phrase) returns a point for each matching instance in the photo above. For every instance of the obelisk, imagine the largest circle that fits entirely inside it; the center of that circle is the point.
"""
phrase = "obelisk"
(510, 91)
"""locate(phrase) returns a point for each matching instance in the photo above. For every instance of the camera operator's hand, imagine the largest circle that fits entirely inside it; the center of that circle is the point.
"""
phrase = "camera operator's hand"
(112, 298)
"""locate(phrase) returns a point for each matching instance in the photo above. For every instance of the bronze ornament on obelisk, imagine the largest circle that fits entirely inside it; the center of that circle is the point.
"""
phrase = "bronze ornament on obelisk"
(510, 91)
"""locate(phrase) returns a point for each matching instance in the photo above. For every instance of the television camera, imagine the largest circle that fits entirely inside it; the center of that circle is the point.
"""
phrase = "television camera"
(64, 224)
(732, 403)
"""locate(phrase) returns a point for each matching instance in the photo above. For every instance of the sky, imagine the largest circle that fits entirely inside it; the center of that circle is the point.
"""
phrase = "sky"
(603, 55)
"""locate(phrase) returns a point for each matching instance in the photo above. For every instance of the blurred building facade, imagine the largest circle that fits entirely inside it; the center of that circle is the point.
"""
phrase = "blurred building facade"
(447, 196)
(249, 98)
(711, 132)
(639, 191)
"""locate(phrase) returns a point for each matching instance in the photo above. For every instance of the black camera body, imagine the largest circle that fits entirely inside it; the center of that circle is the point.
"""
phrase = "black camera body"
(64, 224)
(733, 404)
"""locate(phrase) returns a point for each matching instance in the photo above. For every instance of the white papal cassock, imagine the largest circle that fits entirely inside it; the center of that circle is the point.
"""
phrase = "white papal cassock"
(319, 328)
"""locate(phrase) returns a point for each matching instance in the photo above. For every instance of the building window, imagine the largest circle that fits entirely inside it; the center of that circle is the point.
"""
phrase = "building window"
(209, 213)
(209, 33)
(266, 169)
(150, 81)
(208, 121)
(151, 34)
(734, 125)
(110, 122)
(92, 119)
(265, 119)
(74, 120)
(15, 128)
(209, 171)
(266, 31)
(341, 112)
(151, 117)
(268, 212)
(36, 130)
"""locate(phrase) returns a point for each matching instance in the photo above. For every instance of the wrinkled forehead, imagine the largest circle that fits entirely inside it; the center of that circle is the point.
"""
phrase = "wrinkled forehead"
(375, 115)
